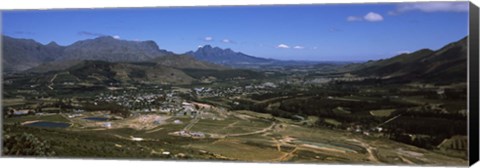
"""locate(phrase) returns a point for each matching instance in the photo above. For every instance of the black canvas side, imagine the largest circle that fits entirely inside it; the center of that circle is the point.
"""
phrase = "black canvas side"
(473, 84)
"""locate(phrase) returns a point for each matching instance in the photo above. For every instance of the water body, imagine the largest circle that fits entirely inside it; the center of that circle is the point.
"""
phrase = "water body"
(96, 118)
(47, 124)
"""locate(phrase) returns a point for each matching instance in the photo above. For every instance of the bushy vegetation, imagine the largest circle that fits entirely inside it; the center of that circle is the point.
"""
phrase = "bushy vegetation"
(93, 144)
(223, 74)
(25, 144)
(106, 106)
(86, 69)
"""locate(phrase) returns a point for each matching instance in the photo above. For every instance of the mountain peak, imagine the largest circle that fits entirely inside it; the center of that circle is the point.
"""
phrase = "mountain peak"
(53, 44)
(227, 56)
(208, 46)
(105, 38)
(108, 48)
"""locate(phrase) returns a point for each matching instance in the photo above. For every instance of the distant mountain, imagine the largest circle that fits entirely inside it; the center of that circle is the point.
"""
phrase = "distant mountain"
(185, 62)
(26, 54)
(23, 54)
(228, 57)
(448, 64)
(107, 48)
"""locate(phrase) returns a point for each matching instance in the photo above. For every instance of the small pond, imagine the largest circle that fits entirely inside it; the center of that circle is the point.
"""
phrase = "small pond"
(48, 124)
(96, 118)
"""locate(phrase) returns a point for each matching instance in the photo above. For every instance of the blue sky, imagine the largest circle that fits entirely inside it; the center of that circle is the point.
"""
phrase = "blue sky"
(333, 32)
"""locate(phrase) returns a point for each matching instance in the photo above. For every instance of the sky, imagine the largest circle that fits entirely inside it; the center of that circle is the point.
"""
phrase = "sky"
(326, 32)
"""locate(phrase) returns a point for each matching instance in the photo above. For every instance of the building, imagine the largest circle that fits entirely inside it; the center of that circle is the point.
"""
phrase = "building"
(21, 112)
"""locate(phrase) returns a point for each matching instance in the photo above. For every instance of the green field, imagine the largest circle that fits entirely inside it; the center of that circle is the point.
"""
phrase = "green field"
(382, 112)
(52, 118)
(341, 110)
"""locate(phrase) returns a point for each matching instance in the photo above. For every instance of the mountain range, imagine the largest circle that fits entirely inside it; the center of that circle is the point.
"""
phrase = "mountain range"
(107, 48)
(24, 54)
(228, 57)
(28, 55)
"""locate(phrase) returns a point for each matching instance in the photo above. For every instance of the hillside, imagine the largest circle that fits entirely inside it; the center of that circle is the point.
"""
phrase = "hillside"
(123, 73)
(172, 61)
(103, 73)
(22, 54)
(447, 64)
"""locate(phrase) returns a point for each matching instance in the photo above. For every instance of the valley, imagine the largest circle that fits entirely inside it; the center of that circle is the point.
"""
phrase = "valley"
(181, 107)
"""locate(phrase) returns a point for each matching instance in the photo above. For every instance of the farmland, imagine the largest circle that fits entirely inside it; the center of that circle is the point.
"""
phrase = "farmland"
(238, 136)
(282, 118)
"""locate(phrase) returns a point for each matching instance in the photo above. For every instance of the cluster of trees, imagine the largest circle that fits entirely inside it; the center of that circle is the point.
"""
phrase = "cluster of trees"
(428, 131)
(429, 126)
(322, 106)
(112, 107)
(25, 144)
(426, 112)
(227, 74)
(31, 141)
(100, 68)
(268, 95)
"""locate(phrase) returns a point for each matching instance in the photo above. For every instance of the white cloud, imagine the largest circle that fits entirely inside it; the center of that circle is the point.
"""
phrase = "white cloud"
(299, 47)
(370, 16)
(199, 46)
(354, 18)
(116, 36)
(208, 38)
(373, 17)
(226, 41)
(283, 46)
(432, 7)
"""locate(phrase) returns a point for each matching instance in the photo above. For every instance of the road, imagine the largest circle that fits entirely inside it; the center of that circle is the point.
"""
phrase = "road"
(51, 82)
(254, 132)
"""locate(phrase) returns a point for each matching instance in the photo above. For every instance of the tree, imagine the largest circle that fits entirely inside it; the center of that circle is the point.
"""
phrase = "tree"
(26, 145)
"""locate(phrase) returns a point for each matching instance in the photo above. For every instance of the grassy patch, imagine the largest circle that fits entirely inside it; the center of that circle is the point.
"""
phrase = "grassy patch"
(241, 151)
(341, 110)
(332, 122)
(52, 118)
(13, 102)
(229, 126)
(382, 112)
